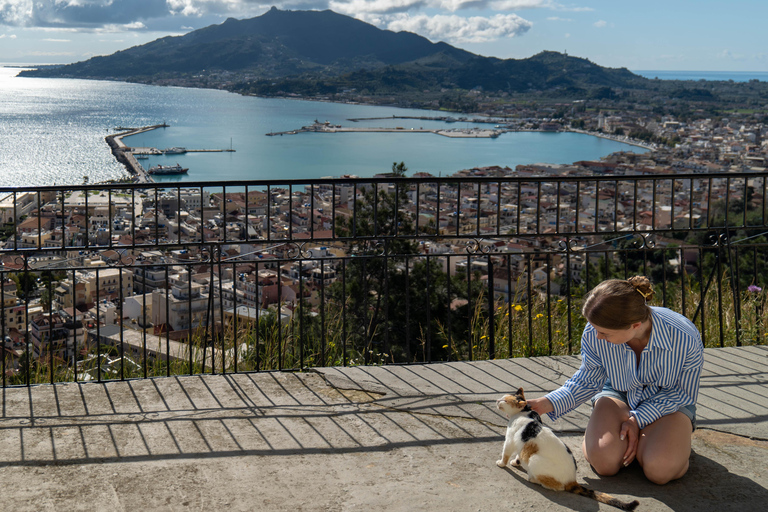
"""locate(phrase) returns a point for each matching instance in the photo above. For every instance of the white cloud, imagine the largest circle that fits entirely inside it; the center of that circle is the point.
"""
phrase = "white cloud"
(51, 40)
(457, 29)
(729, 55)
(360, 8)
(557, 18)
(517, 5)
(600, 24)
(184, 7)
(560, 7)
(15, 12)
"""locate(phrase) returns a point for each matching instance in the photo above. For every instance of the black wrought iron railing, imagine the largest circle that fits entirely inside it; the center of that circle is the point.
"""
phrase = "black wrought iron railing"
(137, 280)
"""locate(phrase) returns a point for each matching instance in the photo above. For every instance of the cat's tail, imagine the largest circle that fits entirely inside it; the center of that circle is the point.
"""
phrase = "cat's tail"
(601, 497)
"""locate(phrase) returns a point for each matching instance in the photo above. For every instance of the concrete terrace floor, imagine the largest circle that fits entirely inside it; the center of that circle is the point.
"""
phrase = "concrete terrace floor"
(410, 438)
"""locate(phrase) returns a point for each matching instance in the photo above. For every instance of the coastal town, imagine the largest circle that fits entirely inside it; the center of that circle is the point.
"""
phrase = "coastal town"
(129, 294)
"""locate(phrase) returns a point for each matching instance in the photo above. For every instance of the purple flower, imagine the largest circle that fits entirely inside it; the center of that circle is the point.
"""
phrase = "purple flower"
(754, 288)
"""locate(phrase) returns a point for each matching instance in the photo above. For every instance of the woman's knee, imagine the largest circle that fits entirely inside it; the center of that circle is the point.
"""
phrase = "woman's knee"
(603, 456)
(663, 471)
(665, 447)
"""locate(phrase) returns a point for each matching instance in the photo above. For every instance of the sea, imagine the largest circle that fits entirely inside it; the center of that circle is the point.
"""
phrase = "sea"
(52, 132)
(725, 76)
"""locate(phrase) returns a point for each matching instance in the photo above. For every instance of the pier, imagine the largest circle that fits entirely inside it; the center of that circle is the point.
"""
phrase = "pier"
(326, 127)
(127, 154)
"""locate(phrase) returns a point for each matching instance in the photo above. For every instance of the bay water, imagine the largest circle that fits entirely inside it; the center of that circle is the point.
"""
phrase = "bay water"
(52, 132)
(719, 76)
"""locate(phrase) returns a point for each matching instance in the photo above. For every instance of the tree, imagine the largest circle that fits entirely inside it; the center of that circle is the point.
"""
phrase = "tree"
(26, 284)
(378, 218)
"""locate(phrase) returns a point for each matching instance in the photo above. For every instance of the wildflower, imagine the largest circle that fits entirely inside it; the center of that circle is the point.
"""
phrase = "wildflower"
(445, 346)
(754, 288)
(539, 316)
(483, 337)
(518, 308)
(557, 332)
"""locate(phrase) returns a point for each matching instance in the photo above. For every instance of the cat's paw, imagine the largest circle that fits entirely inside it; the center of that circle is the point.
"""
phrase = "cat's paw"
(501, 463)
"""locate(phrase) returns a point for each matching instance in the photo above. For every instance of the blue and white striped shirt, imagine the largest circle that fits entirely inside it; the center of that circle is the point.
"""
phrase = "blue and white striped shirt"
(667, 377)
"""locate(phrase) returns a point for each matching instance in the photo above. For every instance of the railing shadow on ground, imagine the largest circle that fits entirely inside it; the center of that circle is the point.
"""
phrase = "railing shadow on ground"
(184, 418)
(382, 409)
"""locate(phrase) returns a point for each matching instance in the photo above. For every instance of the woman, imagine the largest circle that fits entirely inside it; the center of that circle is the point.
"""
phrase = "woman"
(641, 367)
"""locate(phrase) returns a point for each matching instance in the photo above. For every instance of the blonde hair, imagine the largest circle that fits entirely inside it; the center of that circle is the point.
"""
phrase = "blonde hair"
(619, 303)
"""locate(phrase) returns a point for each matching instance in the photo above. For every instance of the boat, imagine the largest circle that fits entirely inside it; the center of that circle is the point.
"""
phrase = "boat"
(167, 169)
(175, 151)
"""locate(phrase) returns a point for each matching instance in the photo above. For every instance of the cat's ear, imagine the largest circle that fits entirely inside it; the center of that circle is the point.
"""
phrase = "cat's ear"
(520, 393)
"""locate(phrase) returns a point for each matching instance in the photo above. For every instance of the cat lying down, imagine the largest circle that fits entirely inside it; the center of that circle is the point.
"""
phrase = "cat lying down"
(546, 459)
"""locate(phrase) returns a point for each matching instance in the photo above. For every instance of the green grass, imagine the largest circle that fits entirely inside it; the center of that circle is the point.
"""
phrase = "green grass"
(520, 329)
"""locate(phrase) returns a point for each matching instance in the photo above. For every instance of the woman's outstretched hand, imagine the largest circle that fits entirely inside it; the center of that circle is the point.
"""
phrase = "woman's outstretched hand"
(541, 405)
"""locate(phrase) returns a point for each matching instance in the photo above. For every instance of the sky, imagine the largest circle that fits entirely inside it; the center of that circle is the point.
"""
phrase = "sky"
(680, 35)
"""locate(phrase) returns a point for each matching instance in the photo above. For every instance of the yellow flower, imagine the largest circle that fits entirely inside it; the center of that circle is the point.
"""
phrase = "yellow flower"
(445, 346)
(539, 316)
(518, 308)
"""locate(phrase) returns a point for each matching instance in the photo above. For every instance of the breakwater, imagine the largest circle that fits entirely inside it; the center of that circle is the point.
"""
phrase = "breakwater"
(124, 154)
(318, 127)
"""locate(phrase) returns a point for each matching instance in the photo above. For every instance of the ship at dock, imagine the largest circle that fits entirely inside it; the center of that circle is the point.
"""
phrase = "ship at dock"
(174, 151)
(167, 169)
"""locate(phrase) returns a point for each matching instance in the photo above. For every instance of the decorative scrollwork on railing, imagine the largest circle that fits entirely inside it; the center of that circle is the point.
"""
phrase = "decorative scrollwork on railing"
(477, 247)
(120, 260)
(567, 245)
(371, 247)
(719, 240)
(211, 253)
(295, 251)
(644, 240)
(24, 261)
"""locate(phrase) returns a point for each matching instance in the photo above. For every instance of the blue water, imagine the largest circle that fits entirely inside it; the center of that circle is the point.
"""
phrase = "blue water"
(736, 76)
(52, 131)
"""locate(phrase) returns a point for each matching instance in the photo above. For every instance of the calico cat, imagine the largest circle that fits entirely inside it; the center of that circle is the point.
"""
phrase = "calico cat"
(546, 459)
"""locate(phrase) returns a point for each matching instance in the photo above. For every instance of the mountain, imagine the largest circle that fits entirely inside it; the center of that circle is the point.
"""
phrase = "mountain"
(275, 44)
(321, 52)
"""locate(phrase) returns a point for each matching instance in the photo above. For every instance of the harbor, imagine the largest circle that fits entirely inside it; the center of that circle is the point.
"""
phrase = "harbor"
(326, 127)
(129, 156)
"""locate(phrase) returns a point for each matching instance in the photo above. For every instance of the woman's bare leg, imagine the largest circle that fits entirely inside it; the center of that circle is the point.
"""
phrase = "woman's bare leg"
(602, 445)
(665, 447)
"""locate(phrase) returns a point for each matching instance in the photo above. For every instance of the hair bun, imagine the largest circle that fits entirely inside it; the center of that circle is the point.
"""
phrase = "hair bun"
(643, 286)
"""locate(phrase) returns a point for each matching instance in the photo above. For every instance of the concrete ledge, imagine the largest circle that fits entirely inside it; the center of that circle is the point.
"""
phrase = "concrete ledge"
(420, 437)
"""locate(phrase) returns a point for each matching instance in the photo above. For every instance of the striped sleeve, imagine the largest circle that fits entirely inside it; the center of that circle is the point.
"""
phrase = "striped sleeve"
(682, 361)
(585, 383)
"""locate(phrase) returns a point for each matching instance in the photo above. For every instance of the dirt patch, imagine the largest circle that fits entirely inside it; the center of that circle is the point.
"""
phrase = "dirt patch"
(715, 438)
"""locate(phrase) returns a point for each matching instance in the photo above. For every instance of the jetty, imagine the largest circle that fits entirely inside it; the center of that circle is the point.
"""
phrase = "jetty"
(126, 155)
(326, 127)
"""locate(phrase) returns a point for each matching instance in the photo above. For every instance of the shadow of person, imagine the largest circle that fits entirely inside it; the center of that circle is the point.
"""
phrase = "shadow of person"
(708, 485)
